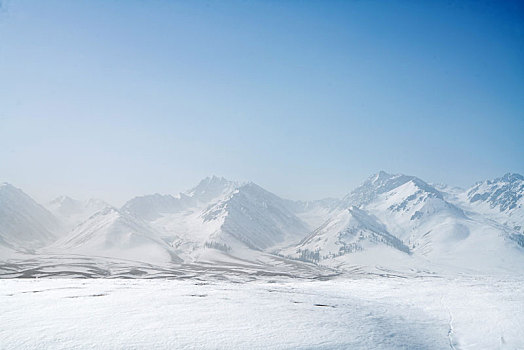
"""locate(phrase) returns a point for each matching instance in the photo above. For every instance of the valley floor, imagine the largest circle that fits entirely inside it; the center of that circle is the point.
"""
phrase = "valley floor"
(364, 312)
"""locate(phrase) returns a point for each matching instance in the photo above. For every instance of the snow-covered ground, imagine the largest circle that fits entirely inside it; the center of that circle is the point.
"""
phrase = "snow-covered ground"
(359, 312)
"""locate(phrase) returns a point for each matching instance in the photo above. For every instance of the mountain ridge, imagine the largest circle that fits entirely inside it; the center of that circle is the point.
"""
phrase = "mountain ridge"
(241, 220)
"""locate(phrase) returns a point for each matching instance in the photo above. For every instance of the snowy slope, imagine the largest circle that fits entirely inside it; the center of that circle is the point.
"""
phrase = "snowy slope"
(386, 209)
(72, 212)
(501, 199)
(113, 233)
(413, 211)
(504, 194)
(382, 183)
(255, 217)
(348, 231)
(24, 224)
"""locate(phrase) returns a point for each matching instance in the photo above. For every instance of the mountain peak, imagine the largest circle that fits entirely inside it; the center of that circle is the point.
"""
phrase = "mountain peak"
(511, 177)
(209, 180)
(384, 182)
(63, 200)
(382, 175)
(211, 188)
(152, 206)
(213, 180)
(505, 192)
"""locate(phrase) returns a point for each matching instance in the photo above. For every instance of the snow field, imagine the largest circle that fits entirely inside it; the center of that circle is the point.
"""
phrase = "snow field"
(361, 313)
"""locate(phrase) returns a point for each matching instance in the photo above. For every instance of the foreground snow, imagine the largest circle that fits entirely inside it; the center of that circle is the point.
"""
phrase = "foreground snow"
(347, 313)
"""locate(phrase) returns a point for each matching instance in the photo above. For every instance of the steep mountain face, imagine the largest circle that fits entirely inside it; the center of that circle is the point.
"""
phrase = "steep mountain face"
(256, 218)
(411, 210)
(116, 234)
(350, 230)
(504, 193)
(24, 224)
(501, 199)
(72, 212)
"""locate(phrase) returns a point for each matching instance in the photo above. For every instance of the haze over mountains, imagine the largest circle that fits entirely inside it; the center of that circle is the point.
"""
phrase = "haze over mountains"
(390, 221)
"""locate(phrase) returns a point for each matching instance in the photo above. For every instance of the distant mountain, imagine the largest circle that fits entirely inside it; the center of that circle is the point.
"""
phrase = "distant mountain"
(153, 206)
(72, 212)
(501, 199)
(212, 188)
(116, 234)
(315, 212)
(219, 214)
(255, 217)
(24, 224)
(503, 193)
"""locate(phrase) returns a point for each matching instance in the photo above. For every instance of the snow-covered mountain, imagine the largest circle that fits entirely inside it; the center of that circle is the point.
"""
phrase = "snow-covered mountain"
(350, 230)
(227, 216)
(386, 209)
(153, 206)
(409, 208)
(390, 220)
(24, 224)
(212, 189)
(383, 182)
(116, 234)
(504, 193)
(402, 213)
(72, 212)
(255, 217)
(501, 199)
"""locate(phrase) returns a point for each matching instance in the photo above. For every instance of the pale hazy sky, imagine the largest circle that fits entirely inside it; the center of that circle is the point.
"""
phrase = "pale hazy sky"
(306, 98)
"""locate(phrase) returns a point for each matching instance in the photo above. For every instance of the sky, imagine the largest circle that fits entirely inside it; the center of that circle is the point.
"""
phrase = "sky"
(113, 99)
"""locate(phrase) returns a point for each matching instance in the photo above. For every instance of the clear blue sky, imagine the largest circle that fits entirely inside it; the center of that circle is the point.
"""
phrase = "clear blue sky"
(305, 98)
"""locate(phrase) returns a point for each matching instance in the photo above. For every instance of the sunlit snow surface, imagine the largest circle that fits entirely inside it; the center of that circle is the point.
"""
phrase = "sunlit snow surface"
(344, 312)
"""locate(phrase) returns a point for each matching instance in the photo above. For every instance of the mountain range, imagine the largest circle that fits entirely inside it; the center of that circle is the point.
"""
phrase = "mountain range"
(390, 221)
